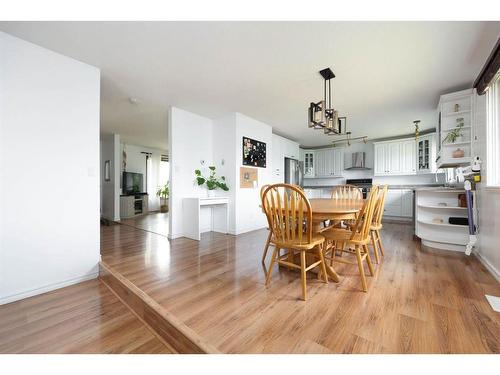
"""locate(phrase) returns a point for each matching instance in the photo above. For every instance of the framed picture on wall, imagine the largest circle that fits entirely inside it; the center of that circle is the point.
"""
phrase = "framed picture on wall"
(254, 153)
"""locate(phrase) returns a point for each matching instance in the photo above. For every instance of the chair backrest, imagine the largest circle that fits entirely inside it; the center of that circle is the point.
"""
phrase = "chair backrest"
(289, 213)
(346, 192)
(365, 216)
(379, 206)
(262, 189)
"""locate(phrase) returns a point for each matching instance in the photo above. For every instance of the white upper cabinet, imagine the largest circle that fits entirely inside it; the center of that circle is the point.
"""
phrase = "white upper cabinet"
(329, 162)
(395, 157)
(426, 153)
(309, 163)
(282, 148)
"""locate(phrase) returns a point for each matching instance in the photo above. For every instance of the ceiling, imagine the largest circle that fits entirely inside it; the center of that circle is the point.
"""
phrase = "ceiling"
(388, 73)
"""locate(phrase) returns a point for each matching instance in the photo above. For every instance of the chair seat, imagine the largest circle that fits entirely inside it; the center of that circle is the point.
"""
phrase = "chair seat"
(317, 239)
(339, 234)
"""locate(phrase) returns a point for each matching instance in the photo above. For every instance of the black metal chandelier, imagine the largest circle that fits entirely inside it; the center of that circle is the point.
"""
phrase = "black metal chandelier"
(325, 117)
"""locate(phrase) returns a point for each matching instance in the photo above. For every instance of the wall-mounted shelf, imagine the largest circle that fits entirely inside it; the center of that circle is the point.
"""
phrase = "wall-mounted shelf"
(427, 222)
(442, 207)
(456, 144)
(456, 113)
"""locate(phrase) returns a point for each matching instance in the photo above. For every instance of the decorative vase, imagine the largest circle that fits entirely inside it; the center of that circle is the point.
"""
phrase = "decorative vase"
(211, 193)
(457, 107)
(458, 153)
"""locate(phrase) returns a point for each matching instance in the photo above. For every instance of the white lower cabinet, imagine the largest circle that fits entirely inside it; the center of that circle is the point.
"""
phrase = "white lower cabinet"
(399, 203)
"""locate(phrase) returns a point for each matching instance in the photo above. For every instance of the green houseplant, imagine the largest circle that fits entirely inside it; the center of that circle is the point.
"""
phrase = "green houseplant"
(163, 192)
(212, 181)
(454, 134)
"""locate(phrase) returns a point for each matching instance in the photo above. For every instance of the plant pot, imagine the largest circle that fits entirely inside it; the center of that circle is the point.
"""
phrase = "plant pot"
(458, 153)
(163, 205)
(211, 193)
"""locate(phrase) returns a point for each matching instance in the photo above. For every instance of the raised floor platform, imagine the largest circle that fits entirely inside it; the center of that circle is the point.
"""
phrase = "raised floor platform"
(210, 296)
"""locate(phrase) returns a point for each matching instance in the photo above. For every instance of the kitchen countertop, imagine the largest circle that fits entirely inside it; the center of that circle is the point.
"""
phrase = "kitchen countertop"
(414, 186)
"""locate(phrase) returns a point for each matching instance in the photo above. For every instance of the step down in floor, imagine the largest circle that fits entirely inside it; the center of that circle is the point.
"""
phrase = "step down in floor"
(173, 331)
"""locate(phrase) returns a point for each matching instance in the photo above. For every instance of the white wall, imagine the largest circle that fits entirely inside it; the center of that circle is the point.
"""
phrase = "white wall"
(110, 190)
(49, 199)
(248, 214)
(190, 141)
(488, 201)
(136, 162)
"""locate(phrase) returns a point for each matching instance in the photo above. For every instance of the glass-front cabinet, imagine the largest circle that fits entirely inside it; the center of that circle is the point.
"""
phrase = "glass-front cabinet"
(426, 151)
(309, 163)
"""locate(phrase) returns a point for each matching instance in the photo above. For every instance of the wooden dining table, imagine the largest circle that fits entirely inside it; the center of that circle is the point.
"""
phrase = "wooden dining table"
(335, 210)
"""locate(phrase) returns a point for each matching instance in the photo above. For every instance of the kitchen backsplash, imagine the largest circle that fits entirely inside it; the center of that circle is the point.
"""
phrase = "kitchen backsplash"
(421, 179)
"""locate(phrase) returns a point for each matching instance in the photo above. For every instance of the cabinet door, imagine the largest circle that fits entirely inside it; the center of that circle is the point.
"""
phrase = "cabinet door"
(407, 203)
(393, 158)
(278, 160)
(320, 163)
(338, 162)
(408, 152)
(308, 164)
(379, 162)
(329, 162)
(393, 203)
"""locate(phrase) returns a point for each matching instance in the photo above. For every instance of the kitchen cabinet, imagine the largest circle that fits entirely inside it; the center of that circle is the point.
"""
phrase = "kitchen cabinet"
(399, 203)
(426, 153)
(329, 162)
(395, 157)
(282, 148)
(309, 163)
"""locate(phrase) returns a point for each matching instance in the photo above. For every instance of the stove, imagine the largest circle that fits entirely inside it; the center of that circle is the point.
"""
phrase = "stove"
(365, 184)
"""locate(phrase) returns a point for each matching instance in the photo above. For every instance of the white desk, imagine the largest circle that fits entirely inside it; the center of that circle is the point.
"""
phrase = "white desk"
(219, 215)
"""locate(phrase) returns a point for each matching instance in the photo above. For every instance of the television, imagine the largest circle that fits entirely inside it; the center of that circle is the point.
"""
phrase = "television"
(132, 183)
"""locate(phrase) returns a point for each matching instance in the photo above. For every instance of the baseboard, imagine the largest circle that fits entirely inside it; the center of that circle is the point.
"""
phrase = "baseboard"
(488, 265)
(47, 288)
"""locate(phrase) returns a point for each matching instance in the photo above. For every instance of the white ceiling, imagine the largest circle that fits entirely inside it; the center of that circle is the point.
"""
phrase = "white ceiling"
(388, 73)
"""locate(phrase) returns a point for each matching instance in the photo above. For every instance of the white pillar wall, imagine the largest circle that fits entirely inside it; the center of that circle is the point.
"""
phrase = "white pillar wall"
(49, 195)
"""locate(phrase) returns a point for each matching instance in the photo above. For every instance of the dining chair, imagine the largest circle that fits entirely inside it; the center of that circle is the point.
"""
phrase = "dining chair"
(270, 235)
(356, 237)
(346, 192)
(376, 225)
(343, 192)
(290, 217)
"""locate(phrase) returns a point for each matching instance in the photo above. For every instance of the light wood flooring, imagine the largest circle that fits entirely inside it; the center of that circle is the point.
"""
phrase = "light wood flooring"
(156, 222)
(419, 301)
(83, 318)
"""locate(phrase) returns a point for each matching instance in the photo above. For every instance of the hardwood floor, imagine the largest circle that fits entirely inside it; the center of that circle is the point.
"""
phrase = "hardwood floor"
(156, 222)
(419, 301)
(83, 318)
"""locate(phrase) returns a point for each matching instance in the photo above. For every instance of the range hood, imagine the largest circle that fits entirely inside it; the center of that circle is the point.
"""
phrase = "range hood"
(358, 162)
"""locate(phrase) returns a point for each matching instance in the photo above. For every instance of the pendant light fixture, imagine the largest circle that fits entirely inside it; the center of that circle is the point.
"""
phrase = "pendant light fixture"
(322, 115)
(417, 130)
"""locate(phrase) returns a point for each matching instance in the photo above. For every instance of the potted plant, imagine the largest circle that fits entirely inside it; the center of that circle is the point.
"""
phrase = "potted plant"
(212, 181)
(163, 192)
(452, 137)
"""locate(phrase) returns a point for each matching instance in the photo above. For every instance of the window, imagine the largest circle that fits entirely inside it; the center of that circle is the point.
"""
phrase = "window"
(493, 133)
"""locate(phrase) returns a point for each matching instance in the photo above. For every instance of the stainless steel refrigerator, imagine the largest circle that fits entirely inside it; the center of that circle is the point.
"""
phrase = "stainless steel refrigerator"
(294, 172)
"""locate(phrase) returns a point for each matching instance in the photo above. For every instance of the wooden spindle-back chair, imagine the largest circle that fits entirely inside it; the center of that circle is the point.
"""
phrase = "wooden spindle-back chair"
(356, 237)
(290, 219)
(377, 224)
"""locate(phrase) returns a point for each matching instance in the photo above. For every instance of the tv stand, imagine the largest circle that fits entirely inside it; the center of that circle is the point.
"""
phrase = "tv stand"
(133, 204)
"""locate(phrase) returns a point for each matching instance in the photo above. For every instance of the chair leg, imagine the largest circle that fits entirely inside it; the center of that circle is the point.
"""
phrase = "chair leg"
(267, 247)
(361, 270)
(368, 259)
(273, 260)
(321, 250)
(374, 244)
(303, 274)
(380, 243)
